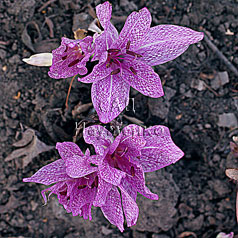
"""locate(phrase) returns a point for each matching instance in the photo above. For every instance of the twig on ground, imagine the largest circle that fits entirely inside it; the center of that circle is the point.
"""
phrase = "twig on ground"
(209, 88)
(220, 55)
(46, 5)
(219, 141)
(4, 42)
(119, 19)
(91, 11)
(134, 120)
(236, 203)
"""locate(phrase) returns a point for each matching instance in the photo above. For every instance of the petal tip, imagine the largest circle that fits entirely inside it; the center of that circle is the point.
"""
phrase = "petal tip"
(201, 35)
(58, 145)
(25, 180)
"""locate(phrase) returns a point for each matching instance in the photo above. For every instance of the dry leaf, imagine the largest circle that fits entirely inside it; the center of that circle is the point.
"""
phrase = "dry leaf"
(46, 45)
(187, 233)
(206, 76)
(91, 11)
(134, 120)
(80, 108)
(234, 149)
(27, 39)
(32, 147)
(80, 34)
(27, 137)
(12, 203)
(232, 174)
(50, 25)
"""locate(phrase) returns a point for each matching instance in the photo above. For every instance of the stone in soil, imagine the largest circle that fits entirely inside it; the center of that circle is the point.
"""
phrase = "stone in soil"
(228, 120)
(220, 80)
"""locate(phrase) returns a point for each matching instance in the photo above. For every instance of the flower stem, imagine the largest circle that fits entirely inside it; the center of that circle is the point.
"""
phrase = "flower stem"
(70, 86)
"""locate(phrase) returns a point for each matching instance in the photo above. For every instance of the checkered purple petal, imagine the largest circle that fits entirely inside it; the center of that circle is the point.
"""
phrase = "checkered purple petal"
(166, 42)
(78, 166)
(69, 59)
(136, 26)
(132, 140)
(110, 174)
(110, 96)
(100, 71)
(102, 192)
(160, 150)
(110, 34)
(112, 209)
(51, 173)
(143, 78)
(99, 137)
(130, 207)
(68, 150)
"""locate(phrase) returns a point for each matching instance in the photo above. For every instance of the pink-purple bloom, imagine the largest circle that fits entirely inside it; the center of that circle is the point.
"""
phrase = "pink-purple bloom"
(71, 57)
(122, 162)
(125, 60)
(75, 180)
(112, 177)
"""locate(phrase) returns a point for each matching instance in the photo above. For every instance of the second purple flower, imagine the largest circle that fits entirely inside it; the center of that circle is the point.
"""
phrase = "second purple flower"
(112, 177)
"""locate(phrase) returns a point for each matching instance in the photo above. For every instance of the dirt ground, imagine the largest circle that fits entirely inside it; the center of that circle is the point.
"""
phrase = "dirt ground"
(200, 107)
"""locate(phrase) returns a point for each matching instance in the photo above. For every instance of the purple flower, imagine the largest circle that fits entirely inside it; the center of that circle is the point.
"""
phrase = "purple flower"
(123, 161)
(70, 58)
(78, 185)
(111, 178)
(75, 180)
(126, 60)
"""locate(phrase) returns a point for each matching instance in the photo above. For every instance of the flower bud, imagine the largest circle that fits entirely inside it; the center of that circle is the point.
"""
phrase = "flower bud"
(42, 59)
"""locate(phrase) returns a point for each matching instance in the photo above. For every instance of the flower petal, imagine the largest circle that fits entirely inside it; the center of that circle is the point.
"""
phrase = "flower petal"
(114, 144)
(110, 96)
(77, 167)
(166, 42)
(135, 178)
(101, 44)
(99, 137)
(136, 26)
(53, 189)
(110, 174)
(68, 149)
(102, 191)
(97, 159)
(87, 152)
(129, 189)
(143, 78)
(100, 71)
(112, 209)
(130, 207)
(160, 150)
(104, 40)
(81, 197)
(138, 182)
(104, 12)
(224, 235)
(86, 46)
(86, 211)
(69, 59)
(51, 173)
(132, 140)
